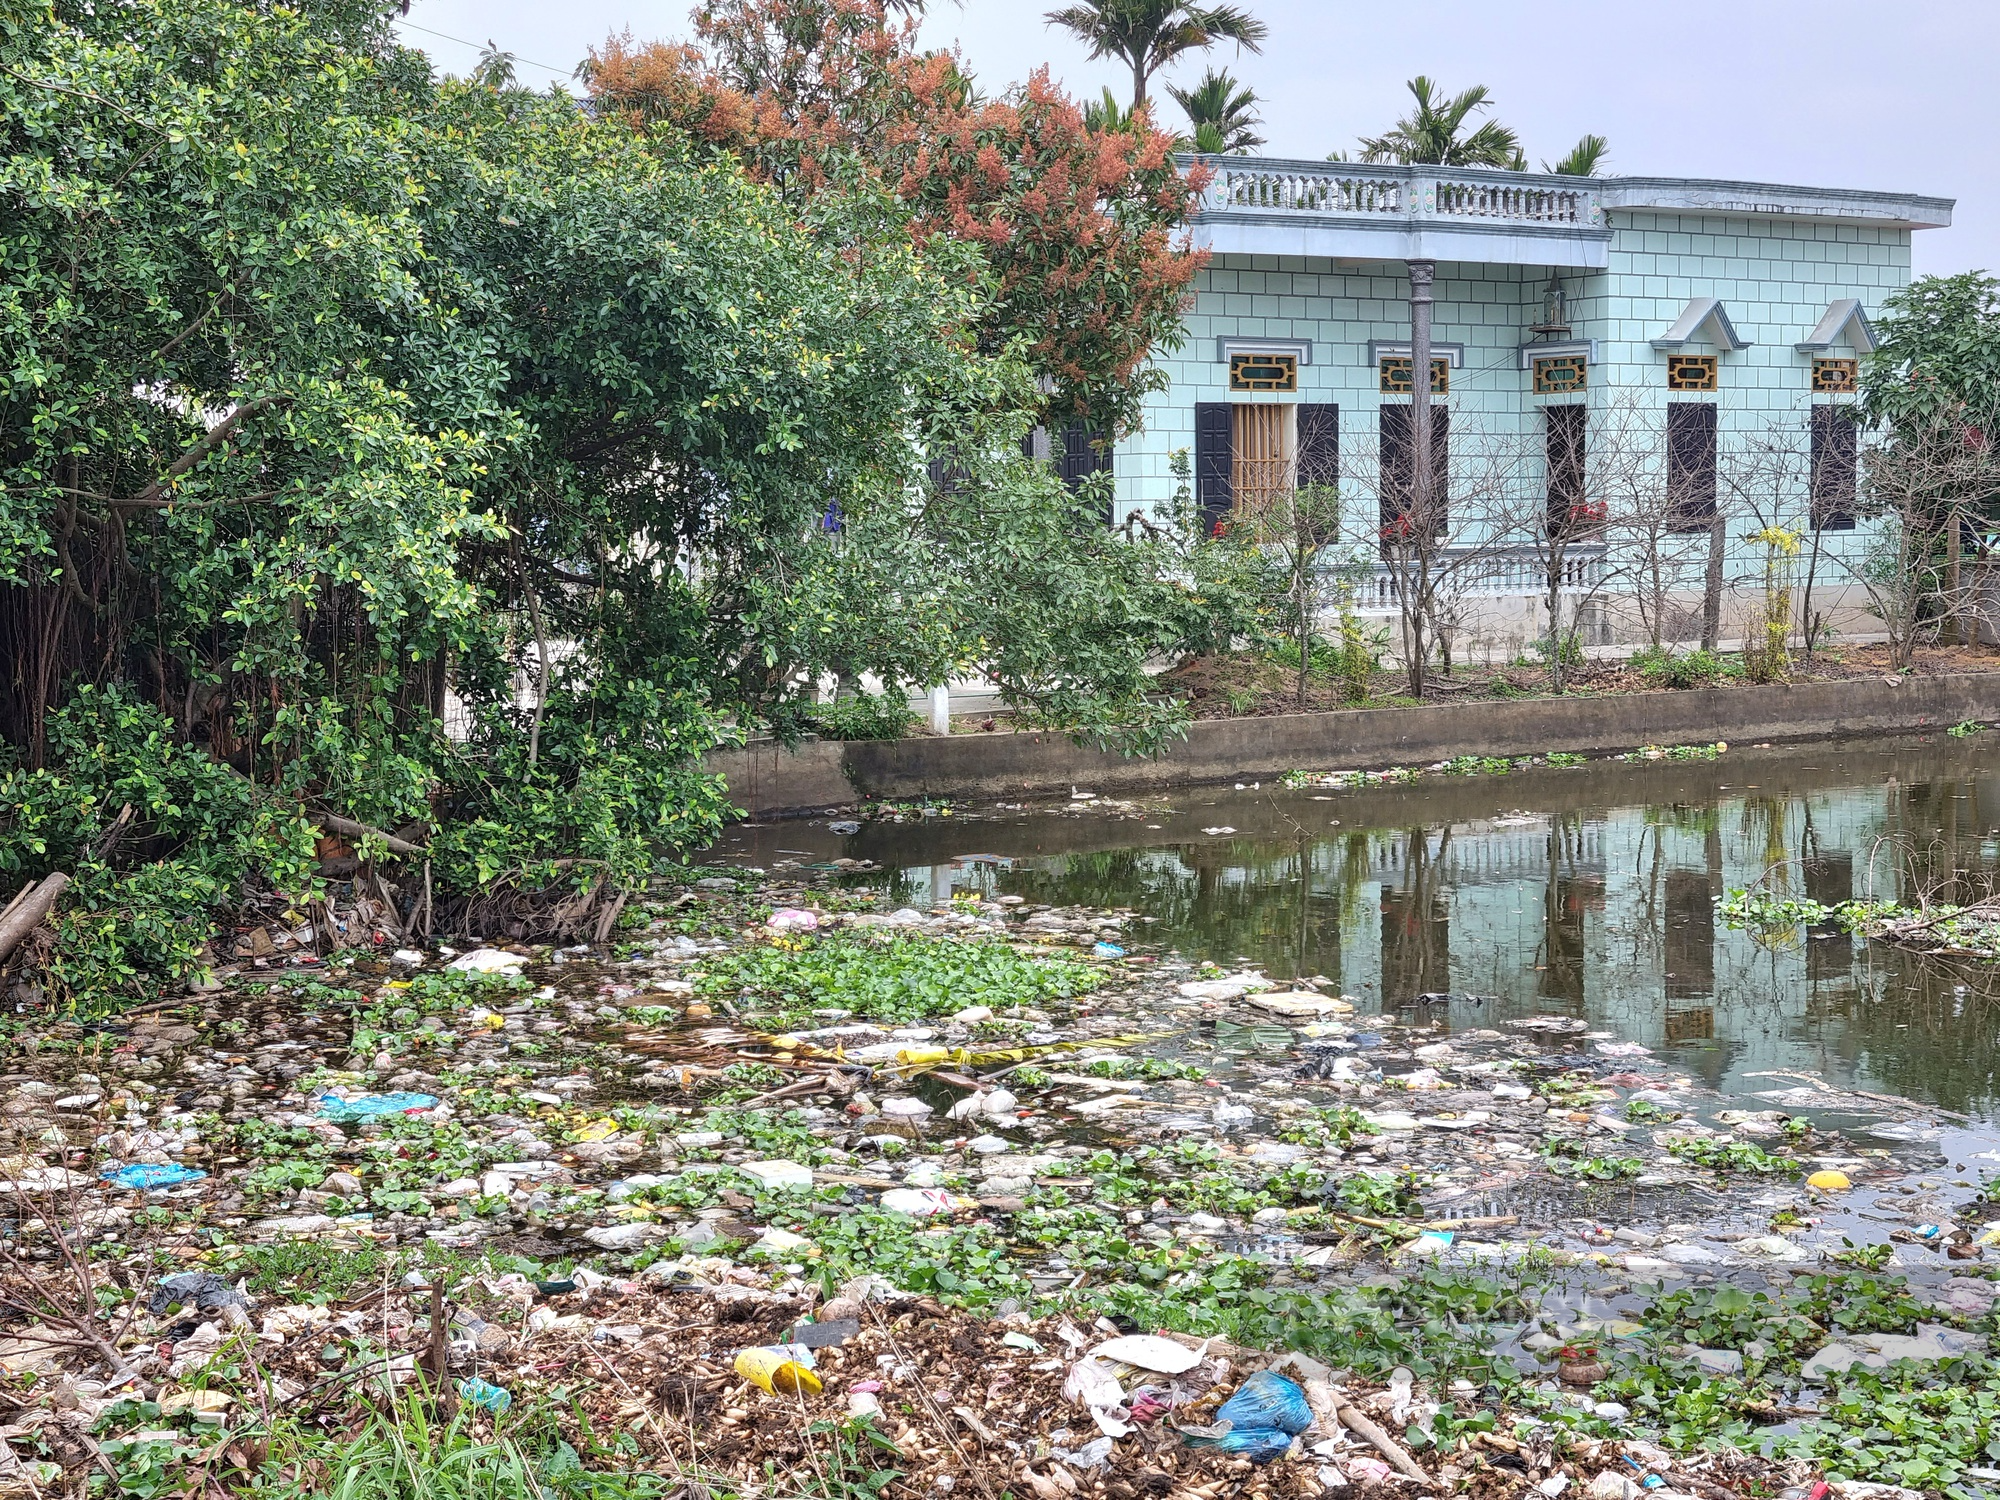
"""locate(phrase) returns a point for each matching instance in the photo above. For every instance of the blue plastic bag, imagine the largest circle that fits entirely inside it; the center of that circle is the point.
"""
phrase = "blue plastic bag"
(1258, 1444)
(1264, 1415)
(152, 1177)
(373, 1106)
(1267, 1401)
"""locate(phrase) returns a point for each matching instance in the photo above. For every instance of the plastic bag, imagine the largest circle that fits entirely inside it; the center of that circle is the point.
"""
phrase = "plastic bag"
(373, 1106)
(1267, 1401)
(1258, 1444)
(151, 1177)
(780, 1369)
(493, 1398)
(198, 1291)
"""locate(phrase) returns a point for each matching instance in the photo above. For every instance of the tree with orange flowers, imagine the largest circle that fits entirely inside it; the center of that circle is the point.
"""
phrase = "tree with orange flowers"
(1077, 225)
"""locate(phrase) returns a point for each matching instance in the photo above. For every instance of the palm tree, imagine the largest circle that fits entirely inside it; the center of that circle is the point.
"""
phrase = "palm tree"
(1584, 158)
(1430, 134)
(1107, 114)
(1226, 107)
(1146, 35)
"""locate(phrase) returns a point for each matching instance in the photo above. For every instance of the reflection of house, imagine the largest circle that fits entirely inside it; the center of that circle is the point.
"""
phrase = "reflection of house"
(1690, 936)
(1581, 327)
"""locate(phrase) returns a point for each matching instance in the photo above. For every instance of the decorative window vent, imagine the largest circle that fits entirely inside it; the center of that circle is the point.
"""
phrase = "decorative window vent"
(1561, 374)
(1263, 372)
(1394, 372)
(1835, 377)
(1691, 372)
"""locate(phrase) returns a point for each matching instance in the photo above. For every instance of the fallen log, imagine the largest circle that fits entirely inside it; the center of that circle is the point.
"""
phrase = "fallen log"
(335, 823)
(27, 911)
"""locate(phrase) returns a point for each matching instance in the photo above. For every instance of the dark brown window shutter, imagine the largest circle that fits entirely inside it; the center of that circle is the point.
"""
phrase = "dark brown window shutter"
(1835, 455)
(1398, 476)
(1214, 455)
(1564, 430)
(1319, 443)
(1690, 465)
(1080, 458)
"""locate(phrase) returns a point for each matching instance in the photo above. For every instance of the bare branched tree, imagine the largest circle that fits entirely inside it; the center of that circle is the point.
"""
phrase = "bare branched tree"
(1648, 523)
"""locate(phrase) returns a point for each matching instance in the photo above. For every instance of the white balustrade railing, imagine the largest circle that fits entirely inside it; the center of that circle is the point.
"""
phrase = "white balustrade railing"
(1419, 192)
(1500, 572)
(1314, 192)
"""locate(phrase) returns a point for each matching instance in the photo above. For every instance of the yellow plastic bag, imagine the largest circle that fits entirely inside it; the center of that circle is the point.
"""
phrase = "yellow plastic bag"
(596, 1130)
(776, 1369)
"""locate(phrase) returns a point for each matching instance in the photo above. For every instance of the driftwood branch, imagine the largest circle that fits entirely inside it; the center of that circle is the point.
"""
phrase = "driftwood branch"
(120, 825)
(28, 910)
(1388, 1447)
(335, 823)
(609, 917)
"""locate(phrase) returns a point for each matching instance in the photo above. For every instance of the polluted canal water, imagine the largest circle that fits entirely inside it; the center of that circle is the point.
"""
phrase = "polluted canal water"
(1551, 1027)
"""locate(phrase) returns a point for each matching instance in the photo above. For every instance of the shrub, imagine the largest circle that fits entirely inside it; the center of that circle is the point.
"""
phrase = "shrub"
(864, 716)
(1660, 667)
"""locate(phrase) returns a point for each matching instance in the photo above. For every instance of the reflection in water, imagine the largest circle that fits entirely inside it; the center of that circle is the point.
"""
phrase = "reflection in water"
(1690, 937)
(1596, 909)
(1567, 895)
(1416, 923)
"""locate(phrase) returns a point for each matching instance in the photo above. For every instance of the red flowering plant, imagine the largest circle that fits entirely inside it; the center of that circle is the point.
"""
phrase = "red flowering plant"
(1077, 226)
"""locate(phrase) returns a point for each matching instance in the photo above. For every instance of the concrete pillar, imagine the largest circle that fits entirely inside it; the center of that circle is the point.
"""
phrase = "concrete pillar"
(941, 710)
(1421, 273)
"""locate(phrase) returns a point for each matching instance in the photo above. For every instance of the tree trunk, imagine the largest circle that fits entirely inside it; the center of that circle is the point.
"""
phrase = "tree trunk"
(1138, 83)
(1554, 602)
(1810, 626)
(1302, 559)
(1949, 628)
(1418, 635)
(1711, 591)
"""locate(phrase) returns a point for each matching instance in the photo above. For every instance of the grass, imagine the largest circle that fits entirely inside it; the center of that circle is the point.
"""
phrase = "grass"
(404, 1452)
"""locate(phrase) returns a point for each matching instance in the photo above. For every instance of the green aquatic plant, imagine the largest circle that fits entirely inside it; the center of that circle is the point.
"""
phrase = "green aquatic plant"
(903, 977)
(1731, 1156)
(1567, 1158)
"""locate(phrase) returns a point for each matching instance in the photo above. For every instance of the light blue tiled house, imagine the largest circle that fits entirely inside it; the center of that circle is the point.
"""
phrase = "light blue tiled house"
(1701, 322)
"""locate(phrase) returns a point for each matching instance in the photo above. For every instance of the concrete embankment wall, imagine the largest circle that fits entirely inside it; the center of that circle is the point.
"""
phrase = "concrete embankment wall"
(769, 781)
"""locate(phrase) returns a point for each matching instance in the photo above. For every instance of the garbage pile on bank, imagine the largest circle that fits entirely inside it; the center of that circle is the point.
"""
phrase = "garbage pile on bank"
(684, 1164)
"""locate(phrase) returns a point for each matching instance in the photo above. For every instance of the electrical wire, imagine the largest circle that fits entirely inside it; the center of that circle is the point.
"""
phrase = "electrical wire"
(447, 36)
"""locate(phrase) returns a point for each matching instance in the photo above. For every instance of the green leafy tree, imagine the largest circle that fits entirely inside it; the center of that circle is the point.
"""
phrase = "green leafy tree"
(1105, 113)
(1225, 108)
(495, 69)
(1147, 35)
(1930, 395)
(1937, 350)
(1435, 133)
(341, 403)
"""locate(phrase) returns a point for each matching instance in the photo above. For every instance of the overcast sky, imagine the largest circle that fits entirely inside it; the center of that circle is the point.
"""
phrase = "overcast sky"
(1824, 93)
